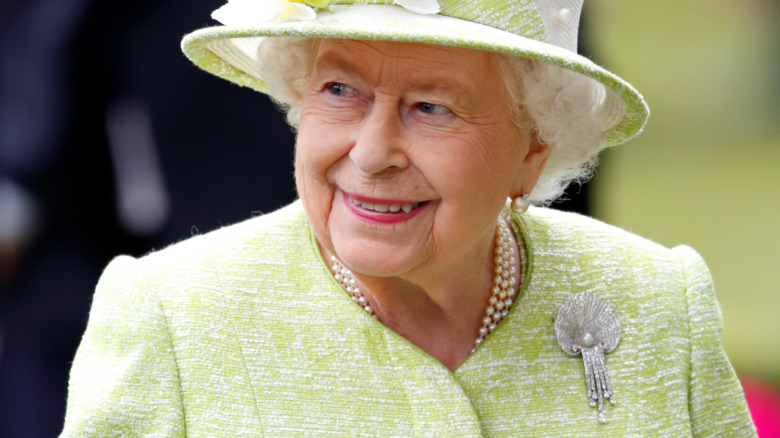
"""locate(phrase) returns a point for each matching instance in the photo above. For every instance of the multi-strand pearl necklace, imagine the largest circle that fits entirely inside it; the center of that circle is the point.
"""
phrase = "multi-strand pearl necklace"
(502, 294)
(347, 281)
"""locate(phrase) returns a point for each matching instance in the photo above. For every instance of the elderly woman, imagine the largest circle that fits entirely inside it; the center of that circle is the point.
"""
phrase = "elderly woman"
(411, 291)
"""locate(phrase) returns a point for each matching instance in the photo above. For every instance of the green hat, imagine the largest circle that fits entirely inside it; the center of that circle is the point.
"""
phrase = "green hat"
(543, 30)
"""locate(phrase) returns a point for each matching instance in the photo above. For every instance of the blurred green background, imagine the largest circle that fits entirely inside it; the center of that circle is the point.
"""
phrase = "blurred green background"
(706, 171)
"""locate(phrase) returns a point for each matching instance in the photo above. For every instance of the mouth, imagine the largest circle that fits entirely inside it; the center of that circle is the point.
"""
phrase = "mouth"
(386, 207)
(383, 211)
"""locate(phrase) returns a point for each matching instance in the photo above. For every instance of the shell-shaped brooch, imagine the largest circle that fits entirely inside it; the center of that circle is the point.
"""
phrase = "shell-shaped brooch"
(587, 325)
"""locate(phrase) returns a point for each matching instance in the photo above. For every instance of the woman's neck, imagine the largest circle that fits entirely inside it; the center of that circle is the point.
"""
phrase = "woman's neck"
(442, 321)
(439, 307)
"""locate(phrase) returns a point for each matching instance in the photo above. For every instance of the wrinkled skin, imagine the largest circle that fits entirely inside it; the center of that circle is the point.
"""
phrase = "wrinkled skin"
(399, 123)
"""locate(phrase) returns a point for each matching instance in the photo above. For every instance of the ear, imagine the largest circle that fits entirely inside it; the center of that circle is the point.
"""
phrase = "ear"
(531, 166)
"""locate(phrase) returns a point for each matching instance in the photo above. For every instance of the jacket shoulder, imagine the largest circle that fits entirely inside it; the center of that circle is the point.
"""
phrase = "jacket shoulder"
(225, 259)
(234, 242)
(554, 230)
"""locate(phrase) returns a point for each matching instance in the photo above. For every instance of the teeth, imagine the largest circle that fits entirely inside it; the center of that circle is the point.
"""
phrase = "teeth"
(384, 208)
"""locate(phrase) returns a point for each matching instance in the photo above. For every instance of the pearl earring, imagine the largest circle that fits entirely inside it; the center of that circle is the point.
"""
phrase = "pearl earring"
(520, 204)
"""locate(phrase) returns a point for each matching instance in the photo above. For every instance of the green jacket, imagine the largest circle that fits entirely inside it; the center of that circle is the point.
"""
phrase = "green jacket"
(244, 332)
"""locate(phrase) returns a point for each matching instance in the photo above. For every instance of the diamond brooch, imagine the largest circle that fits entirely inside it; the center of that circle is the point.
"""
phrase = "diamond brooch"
(587, 325)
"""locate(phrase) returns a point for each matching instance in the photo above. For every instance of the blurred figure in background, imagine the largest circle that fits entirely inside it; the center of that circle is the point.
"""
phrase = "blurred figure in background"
(99, 156)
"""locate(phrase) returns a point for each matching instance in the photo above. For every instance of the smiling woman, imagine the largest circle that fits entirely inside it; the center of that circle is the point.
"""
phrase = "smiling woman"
(365, 139)
(565, 109)
(412, 290)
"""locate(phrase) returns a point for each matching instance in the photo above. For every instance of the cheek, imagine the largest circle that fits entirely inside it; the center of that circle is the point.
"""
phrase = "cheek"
(312, 162)
(484, 173)
(317, 151)
(321, 141)
(315, 157)
(481, 164)
(314, 195)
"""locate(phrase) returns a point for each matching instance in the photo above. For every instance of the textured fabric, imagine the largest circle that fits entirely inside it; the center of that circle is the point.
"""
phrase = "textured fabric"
(522, 18)
(244, 332)
(230, 52)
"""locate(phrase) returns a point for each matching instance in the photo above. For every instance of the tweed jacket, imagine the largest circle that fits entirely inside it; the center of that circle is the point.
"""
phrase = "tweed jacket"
(244, 332)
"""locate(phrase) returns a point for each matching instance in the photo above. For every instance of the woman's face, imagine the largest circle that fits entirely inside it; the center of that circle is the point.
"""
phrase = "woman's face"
(406, 154)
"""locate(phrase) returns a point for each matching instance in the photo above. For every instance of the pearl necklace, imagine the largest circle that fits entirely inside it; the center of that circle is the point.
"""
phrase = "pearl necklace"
(502, 294)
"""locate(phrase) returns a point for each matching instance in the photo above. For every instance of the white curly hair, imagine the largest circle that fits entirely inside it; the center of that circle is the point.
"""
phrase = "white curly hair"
(568, 111)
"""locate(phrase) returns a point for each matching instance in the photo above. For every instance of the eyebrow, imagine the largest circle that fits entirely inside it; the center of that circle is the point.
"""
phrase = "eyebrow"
(336, 61)
(333, 60)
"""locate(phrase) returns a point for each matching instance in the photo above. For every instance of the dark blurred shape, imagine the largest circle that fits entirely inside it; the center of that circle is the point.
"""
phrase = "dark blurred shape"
(117, 145)
(34, 102)
(142, 198)
(18, 223)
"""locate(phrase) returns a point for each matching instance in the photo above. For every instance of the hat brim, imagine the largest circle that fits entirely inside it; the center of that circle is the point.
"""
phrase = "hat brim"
(229, 52)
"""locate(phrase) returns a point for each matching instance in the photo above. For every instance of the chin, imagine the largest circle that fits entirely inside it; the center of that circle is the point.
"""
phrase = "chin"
(378, 262)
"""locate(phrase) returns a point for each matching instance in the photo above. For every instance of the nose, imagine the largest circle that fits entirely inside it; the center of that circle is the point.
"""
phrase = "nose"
(377, 143)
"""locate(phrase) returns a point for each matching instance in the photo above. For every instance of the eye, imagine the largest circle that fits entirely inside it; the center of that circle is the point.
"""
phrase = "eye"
(339, 89)
(432, 108)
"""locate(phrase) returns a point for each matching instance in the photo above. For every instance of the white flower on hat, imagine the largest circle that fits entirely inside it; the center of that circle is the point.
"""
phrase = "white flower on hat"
(250, 12)
(420, 6)
(247, 13)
